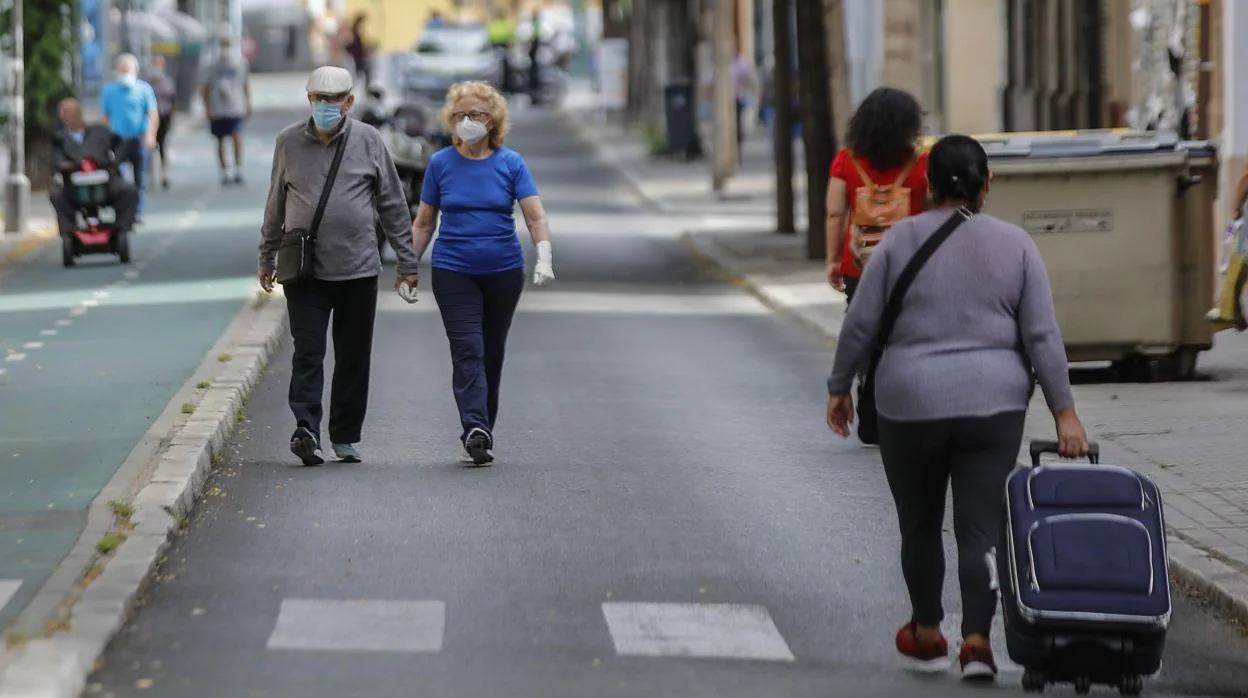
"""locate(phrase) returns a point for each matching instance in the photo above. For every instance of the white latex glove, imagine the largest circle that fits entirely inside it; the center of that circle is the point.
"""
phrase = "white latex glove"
(407, 292)
(544, 270)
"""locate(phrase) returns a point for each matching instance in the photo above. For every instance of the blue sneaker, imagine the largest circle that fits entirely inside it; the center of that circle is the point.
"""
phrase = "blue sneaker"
(347, 453)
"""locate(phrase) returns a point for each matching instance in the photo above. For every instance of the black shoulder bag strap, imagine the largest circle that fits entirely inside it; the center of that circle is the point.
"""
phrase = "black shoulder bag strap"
(892, 307)
(329, 181)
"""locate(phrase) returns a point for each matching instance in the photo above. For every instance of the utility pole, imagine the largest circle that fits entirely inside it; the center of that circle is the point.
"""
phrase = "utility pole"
(17, 186)
(782, 123)
(723, 48)
(816, 109)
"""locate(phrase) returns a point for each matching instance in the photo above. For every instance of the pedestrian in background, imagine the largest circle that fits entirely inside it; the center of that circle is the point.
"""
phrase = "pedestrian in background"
(166, 101)
(478, 261)
(338, 279)
(227, 102)
(360, 51)
(954, 382)
(882, 145)
(132, 113)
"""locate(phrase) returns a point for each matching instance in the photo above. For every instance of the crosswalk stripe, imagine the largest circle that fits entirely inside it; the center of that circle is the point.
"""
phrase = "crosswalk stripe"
(359, 626)
(713, 631)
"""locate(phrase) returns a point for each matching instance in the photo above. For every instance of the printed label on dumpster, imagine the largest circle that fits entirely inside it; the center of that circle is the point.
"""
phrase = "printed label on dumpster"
(1081, 221)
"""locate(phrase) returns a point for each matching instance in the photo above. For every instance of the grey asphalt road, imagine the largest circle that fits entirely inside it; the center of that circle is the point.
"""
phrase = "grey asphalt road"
(668, 515)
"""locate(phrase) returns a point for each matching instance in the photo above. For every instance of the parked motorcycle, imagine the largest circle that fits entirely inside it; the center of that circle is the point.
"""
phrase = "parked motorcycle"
(409, 130)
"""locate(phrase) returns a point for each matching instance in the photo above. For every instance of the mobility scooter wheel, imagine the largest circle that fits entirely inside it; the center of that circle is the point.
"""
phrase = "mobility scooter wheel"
(1131, 685)
(123, 247)
(1083, 685)
(67, 251)
(1034, 681)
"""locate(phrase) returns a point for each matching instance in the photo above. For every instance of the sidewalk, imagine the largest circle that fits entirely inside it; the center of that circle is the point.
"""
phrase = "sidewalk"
(41, 228)
(1189, 437)
(674, 185)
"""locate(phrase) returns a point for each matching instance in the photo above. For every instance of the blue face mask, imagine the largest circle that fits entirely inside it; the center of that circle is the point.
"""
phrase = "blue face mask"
(326, 115)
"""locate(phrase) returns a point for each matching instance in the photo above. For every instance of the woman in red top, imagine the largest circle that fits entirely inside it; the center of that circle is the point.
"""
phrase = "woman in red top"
(884, 139)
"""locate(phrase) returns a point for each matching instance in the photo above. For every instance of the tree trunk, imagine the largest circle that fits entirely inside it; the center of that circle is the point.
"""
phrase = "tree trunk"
(782, 121)
(838, 66)
(817, 123)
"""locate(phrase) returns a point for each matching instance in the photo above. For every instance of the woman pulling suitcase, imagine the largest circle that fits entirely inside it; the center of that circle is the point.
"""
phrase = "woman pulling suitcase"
(952, 387)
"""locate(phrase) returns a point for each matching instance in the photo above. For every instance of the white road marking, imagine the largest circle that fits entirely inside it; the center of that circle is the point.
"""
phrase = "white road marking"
(131, 274)
(952, 628)
(64, 323)
(718, 631)
(359, 626)
(8, 587)
(78, 310)
(100, 294)
(33, 345)
(3, 371)
(49, 333)
(15, 356)
(90, 303)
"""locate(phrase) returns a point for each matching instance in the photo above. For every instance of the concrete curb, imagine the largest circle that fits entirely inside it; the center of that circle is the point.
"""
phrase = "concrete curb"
(1190, 566)
(59, 665)
(585, 134)
(27, 244)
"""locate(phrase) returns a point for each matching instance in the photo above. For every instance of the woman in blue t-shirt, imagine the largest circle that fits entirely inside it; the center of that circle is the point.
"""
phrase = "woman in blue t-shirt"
(478, 262)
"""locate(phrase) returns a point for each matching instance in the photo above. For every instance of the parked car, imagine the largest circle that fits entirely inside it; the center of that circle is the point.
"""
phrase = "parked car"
(446, 55)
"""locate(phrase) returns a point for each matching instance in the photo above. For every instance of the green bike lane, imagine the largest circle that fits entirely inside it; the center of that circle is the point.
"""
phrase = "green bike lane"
(91, 356)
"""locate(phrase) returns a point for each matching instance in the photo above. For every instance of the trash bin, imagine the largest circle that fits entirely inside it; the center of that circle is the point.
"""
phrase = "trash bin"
(1124, 222)
(680, 113)
(281, 38)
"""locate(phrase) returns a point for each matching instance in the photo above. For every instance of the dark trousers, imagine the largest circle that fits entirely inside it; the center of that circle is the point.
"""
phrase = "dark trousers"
(477, 312)
(132, 151)
(122, 197)
(851, 285)
(353, 307)
(921, 459)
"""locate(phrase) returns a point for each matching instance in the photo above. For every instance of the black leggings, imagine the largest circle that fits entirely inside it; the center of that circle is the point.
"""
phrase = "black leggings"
(920, 460)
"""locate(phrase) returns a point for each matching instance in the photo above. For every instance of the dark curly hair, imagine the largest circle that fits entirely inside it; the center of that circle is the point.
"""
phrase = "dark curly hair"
(885, 128)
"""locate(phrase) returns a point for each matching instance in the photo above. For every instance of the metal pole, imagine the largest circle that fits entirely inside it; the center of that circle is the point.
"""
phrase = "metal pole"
(17, 186)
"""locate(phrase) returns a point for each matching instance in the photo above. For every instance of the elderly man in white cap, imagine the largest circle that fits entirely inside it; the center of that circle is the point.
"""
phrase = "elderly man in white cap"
(333, 192)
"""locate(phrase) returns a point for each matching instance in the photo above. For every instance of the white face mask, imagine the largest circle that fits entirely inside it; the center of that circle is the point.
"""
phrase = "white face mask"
(128, 78)
(470, 131)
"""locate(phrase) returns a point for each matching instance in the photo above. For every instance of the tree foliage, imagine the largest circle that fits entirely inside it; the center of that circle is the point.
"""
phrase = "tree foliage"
(50, 42)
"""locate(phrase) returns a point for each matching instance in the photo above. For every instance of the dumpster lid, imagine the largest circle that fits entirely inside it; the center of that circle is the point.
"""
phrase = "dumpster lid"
(1086, 144)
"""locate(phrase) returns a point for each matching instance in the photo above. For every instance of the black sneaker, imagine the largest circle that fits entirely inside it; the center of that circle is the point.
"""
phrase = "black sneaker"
(479, 445)
(304, 445)
(238, 178)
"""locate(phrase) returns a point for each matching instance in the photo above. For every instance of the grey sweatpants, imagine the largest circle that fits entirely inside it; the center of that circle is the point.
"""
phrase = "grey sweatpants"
(921, 459)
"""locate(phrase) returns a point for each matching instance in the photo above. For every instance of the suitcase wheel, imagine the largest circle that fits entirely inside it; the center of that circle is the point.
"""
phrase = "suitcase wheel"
(1131, 685)
(1034, 681)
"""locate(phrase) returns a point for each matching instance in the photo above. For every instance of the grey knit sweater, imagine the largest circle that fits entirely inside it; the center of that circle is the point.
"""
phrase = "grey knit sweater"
(979, 312)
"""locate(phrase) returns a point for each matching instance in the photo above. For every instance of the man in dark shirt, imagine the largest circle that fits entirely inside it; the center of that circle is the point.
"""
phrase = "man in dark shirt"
(75, 142)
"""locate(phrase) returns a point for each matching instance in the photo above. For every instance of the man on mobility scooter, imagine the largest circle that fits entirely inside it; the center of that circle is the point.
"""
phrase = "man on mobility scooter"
(85, 180)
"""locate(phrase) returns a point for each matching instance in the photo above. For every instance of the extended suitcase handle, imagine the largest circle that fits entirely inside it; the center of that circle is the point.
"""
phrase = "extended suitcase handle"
(1039, 448)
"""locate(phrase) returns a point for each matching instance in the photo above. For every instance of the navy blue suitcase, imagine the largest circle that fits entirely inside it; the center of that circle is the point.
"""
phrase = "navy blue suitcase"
(1083, 574)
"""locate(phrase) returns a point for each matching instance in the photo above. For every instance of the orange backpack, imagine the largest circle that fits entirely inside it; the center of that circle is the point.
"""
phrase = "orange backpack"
(876, 209)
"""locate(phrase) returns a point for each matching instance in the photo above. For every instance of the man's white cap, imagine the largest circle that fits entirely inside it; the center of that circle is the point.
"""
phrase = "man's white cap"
(329, 80)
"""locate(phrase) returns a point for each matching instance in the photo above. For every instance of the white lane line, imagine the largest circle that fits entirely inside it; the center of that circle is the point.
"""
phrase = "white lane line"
(64, 323)
(15, 356)
(49, 333)
(89, 303)
(131, 274)
(717, 631)
(8, 587)
(33, 345)
(100, 294)
(359, 626)
(79, 310)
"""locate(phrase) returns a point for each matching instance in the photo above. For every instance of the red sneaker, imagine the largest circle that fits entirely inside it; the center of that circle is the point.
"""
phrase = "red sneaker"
(932, 656)
(977, 663)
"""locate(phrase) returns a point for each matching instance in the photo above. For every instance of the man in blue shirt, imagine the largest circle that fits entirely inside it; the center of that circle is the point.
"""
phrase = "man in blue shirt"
(131, 112)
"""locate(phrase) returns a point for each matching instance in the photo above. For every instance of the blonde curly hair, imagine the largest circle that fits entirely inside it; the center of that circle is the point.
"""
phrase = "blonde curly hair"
(495, 106)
